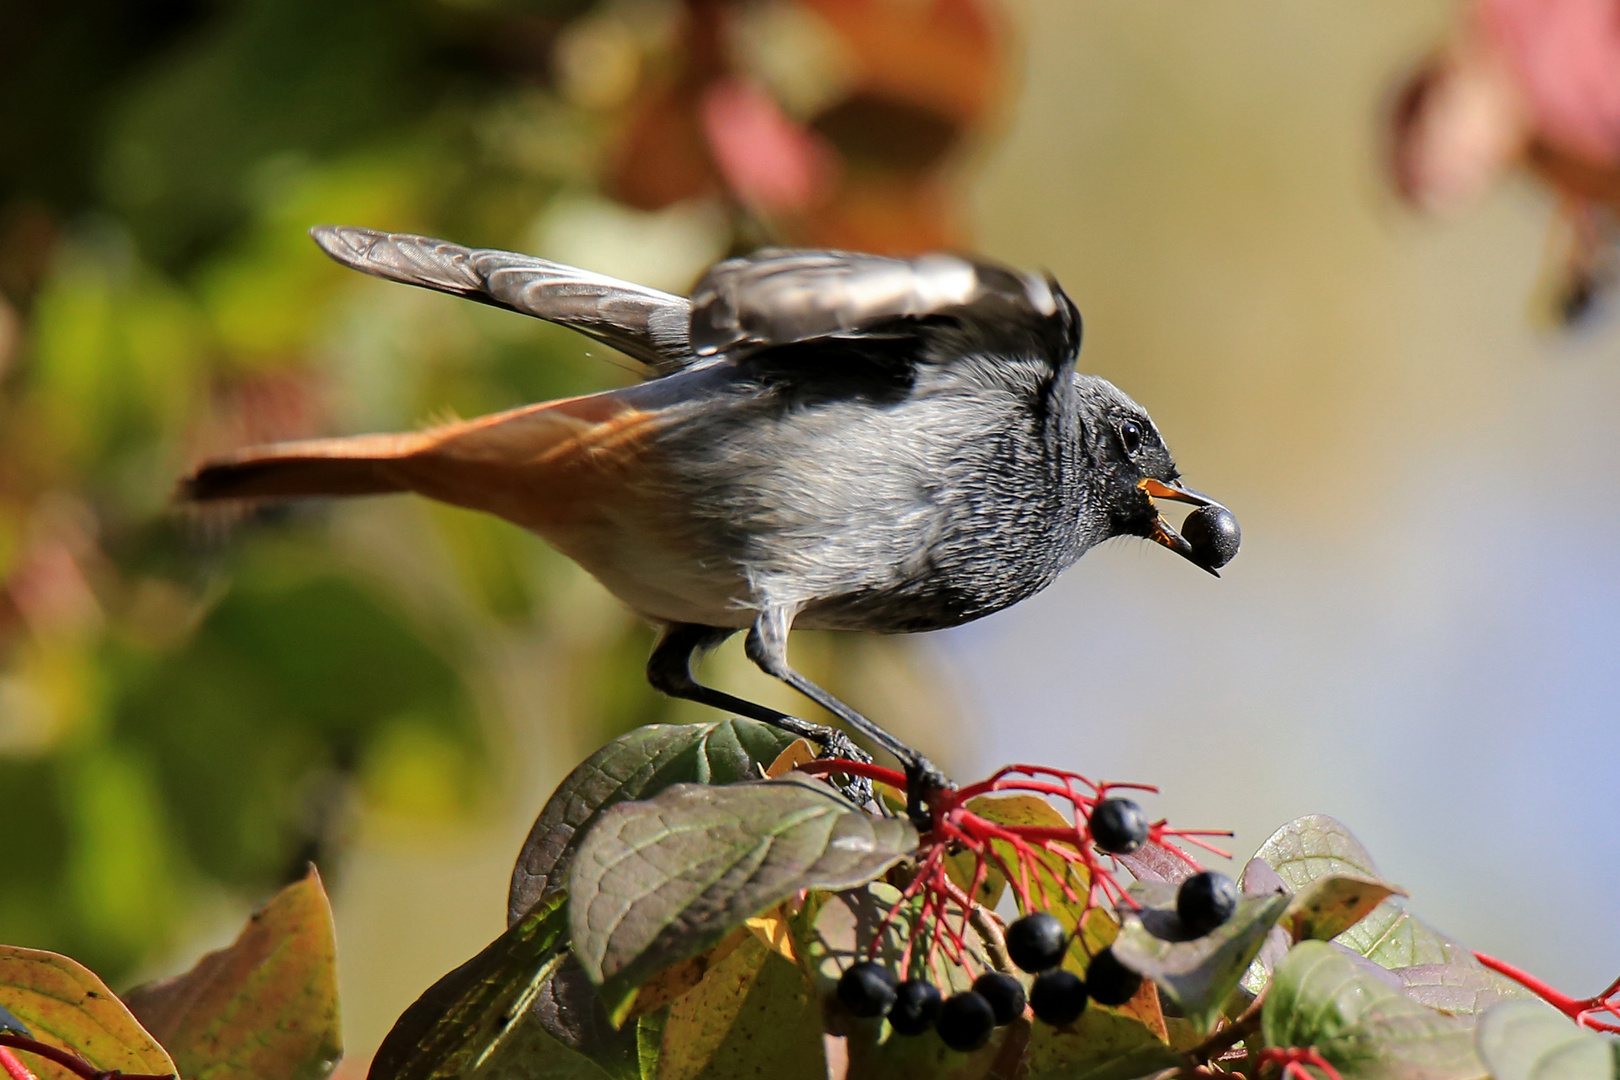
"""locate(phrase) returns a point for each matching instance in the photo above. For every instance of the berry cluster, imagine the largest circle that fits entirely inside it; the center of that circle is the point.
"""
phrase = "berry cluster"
(1038, 942)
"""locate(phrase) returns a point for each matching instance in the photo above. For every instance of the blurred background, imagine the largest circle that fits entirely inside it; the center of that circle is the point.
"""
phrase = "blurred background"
(1411, 414)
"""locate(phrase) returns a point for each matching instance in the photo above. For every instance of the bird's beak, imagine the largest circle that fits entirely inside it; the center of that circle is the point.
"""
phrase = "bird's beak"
(1161, 532)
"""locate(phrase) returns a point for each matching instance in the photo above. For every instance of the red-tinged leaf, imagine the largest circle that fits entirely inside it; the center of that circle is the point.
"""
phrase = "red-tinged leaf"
(266, 1008)
(65, 1005)
(657, 881)
(1566, 54)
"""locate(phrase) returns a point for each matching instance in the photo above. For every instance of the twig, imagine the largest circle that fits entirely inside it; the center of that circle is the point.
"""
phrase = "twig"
(71, 1061)
(995, 942)
(1247, 1023)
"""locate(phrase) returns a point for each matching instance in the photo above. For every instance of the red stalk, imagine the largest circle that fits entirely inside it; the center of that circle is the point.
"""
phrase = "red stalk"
(1580, 1010)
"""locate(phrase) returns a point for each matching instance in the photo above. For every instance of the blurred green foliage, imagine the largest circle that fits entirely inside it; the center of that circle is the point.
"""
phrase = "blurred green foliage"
(182, 710)
(192, 703)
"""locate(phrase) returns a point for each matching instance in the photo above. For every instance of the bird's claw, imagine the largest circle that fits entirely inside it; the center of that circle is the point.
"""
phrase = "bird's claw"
(923, 779)
(836, 745)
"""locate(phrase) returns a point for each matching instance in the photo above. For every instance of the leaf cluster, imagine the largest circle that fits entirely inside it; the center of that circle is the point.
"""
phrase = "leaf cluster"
(686, 903)
(682, 911)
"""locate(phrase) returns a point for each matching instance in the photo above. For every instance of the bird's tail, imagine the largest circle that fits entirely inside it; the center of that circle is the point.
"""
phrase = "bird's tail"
(360, 465)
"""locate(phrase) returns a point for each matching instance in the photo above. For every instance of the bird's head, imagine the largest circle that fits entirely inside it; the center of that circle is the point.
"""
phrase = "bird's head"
(1134, 467)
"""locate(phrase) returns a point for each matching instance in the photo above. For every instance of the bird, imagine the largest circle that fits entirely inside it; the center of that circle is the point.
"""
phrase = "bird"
(825, 439)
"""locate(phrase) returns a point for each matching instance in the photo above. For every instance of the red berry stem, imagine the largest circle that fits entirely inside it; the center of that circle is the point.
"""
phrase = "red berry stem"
(1293, 1060)
(1580, 1010)
(864, 769)
(1042, 864)
(68, 1060)
(14, 1066)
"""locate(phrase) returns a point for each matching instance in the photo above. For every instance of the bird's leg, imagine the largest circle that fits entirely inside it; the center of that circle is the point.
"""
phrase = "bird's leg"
(767, 647)
(669, 669)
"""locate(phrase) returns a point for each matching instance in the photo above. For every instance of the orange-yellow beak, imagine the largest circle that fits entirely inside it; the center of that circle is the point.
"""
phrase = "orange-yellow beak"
(1162, 532)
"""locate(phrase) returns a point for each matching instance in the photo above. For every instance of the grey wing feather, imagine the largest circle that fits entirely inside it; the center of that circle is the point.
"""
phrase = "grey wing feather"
(644, 323)
(779, 297)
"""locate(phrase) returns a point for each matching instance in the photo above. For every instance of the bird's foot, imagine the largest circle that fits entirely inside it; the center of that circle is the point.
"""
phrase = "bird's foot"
(836, 745)
(923, 779)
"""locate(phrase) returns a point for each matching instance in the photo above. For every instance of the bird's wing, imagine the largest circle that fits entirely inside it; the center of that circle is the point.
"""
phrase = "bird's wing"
(778, 297)
(644, 323)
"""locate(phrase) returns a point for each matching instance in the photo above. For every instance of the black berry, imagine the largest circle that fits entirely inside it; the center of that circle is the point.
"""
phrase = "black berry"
(1058, 997)
(1205, 901)
(1118, 826)
(1214, 535)
(1004, 993)
(1110, 982)
(965, 1021)
(916, 1005)
(867, 989)
(1037, 942)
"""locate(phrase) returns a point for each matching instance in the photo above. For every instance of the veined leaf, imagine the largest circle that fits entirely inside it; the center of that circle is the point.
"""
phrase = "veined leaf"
(64, 1004)
(1367, 1029)
(1311, 847)
(657, 881)
(1459, 989)
(634, 766)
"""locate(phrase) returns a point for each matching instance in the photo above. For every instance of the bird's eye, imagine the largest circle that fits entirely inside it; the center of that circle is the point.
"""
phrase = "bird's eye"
(1130, 435)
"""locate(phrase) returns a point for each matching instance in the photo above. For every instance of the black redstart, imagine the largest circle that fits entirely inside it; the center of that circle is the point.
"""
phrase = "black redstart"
(828, 440)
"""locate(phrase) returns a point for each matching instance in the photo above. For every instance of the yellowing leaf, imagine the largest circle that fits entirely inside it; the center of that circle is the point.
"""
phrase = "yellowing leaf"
(753, 1014)
(771, 928)
(679, 979)
(65, 1005)
(798, 752)
(1333, 903)
(266, 1008)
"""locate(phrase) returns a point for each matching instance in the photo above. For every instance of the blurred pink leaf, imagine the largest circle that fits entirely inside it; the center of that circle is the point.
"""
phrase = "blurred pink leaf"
(768, 161)
(1566, 55)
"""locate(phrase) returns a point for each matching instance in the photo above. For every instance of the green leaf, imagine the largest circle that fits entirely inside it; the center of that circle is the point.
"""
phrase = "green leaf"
(65, 1005)
(1331, 904)
(1200, 974)
(650, 1041)
(1367, 1029)
(530, 1052)
(634, 766)
(657, 881)
(1311, 847)
(266, 1008)
(456, 1025)
(1529, 1040)
(569, 1009)
(753, 1014)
